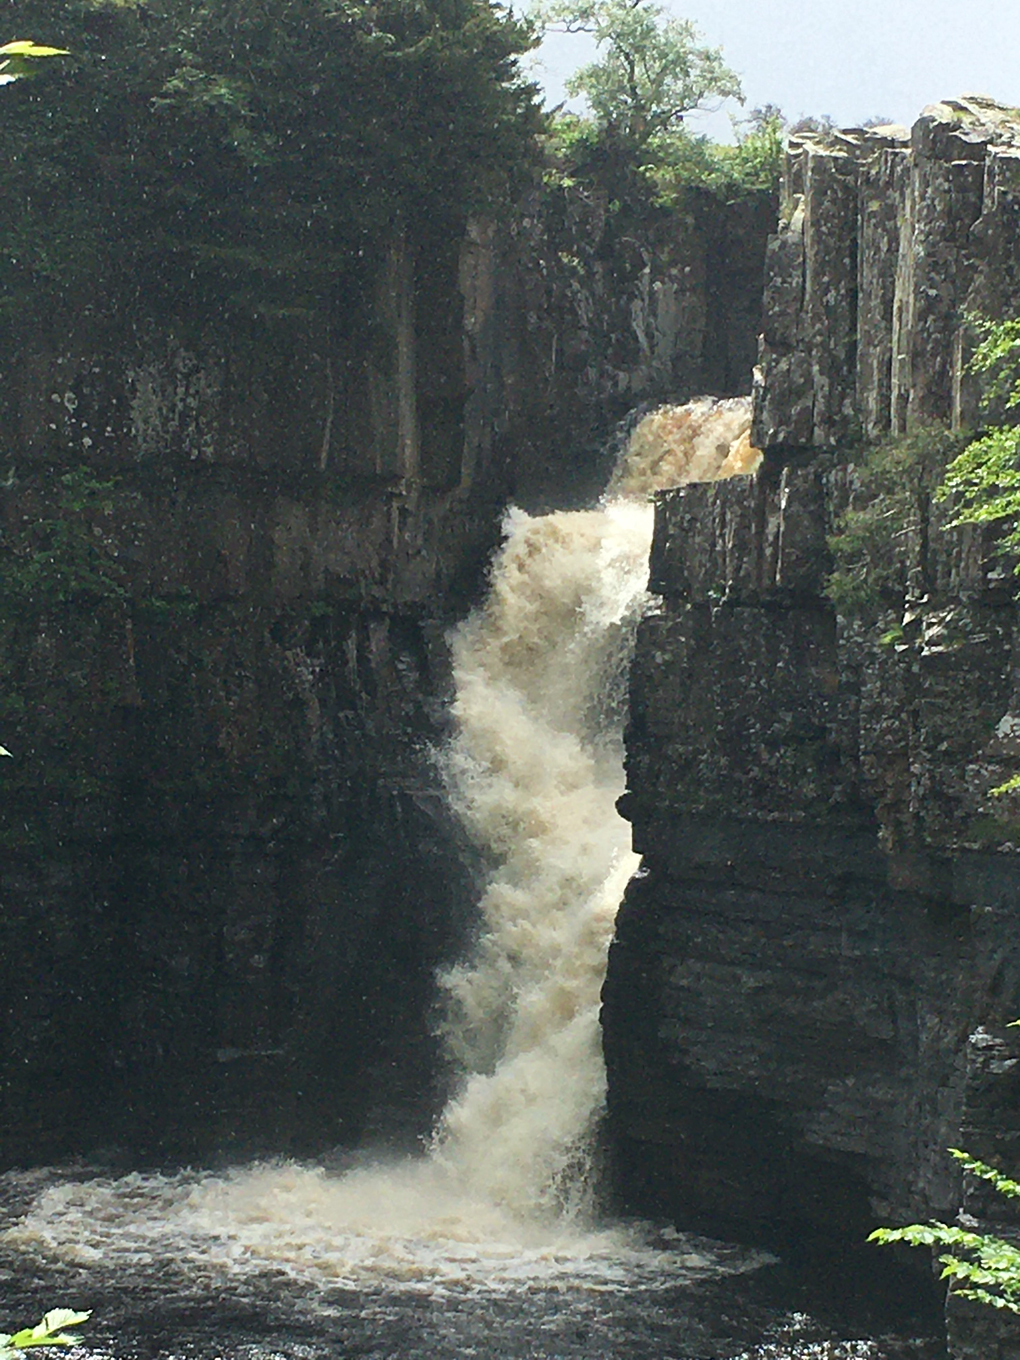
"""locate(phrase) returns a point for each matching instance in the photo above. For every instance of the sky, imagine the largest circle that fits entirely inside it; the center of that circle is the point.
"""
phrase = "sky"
(851, 59)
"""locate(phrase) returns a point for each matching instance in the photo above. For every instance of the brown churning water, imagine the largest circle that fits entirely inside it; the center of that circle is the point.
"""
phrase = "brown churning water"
(503, 1193)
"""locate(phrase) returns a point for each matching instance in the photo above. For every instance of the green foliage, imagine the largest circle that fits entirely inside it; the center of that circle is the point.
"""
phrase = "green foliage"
(753, 165)
(896, 481)
(1003, 1184)
(68, 557)
(48, 1332)
(998, 356)
(253, 154)
(982, 1267)
(19, 59)
(650, 70)
(983, 482)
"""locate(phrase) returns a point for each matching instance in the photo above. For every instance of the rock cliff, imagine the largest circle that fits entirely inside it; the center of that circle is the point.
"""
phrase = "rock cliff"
(231, 550)
(228, 872)
(828, 906)
(590, 312)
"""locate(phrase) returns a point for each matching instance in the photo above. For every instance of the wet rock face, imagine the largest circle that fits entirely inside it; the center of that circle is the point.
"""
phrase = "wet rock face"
(595, 313)
(228, 874)
(829, 899)
(228, 877)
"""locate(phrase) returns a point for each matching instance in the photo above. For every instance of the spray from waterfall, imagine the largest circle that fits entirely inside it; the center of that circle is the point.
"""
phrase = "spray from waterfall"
(534, 772)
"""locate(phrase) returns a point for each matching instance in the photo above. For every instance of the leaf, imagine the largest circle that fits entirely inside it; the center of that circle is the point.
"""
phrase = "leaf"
(25, 48)
(47, 1332)
(64, 1317)
(983, 1171)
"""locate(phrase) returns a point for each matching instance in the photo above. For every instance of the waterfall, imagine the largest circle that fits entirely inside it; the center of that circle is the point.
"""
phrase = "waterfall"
(534, 771)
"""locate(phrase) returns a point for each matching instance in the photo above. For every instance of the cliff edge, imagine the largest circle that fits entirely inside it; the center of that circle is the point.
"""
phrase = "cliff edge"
(807, 994)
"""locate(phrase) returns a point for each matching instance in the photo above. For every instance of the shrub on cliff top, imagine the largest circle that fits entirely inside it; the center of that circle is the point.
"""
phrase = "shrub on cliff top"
(751, 165)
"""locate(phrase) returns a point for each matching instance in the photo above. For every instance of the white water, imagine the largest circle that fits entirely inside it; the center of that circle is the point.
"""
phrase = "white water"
(534, 772)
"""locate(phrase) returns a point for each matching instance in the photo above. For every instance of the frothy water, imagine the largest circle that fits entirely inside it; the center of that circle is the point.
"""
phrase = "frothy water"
(485, 1245)
(705, 440)
(534, 772)
(404, 1225)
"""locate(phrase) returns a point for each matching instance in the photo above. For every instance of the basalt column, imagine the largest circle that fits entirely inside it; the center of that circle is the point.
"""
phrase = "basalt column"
(823, 940)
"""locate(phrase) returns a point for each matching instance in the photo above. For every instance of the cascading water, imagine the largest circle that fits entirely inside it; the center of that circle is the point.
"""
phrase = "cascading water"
(484, 1246)
(534, 772)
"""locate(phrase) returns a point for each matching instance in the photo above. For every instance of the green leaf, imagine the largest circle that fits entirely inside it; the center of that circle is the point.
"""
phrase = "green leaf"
(47, 1332)
(64, 1317)
(983, 1171)
(25, 48)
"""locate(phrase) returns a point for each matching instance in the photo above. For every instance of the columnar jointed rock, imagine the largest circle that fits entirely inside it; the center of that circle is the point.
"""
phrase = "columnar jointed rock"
(820, 912)
(830, 898)
(888, 240)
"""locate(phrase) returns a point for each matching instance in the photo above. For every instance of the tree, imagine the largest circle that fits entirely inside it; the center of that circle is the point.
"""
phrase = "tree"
(651, 69)
(254, 153)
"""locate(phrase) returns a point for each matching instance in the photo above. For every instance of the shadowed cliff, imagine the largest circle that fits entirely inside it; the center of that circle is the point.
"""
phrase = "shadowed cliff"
(806, 995)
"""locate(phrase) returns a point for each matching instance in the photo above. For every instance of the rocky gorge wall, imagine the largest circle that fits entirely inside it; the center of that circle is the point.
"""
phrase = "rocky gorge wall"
(807, 993)
(616, 310)
(231, 552)
(229, 559)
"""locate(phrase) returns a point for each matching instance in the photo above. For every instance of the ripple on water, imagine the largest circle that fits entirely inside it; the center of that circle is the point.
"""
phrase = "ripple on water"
(267, 1263)
(406, 1224)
